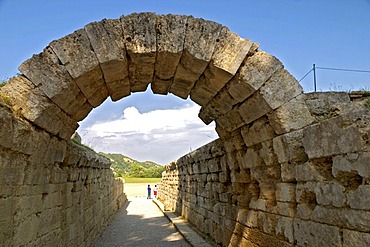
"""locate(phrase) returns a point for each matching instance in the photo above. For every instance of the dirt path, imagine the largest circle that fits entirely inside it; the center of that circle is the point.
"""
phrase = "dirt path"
(140, 223)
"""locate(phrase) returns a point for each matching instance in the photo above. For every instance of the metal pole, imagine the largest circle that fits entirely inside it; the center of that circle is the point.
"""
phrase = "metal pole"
(314, 76)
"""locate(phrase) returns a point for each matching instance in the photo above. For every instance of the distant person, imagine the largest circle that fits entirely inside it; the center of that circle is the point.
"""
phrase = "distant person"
(149, 192)
(155, 191)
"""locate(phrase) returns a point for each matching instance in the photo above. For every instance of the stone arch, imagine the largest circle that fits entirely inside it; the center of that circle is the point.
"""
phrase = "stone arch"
(233, 82)
(264, 182)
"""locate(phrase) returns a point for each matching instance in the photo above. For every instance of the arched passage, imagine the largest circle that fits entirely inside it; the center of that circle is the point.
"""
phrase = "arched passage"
(284, 161)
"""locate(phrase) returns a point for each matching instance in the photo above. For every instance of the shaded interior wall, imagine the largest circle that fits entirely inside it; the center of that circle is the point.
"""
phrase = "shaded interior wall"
(308, 187)
(52, 192)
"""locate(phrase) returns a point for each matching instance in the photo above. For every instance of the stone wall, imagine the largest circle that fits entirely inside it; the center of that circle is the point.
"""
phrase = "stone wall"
(52, 192)
(257, 187)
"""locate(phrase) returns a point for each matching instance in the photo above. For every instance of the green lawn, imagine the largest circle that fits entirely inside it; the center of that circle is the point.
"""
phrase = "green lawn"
(142, 180)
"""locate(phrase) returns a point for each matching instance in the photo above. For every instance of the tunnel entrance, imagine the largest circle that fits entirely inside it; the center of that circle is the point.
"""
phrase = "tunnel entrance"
(287, 169)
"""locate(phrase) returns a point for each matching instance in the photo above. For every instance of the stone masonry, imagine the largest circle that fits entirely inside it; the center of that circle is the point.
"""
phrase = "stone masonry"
(52, 192)
(289, 169)
(257, 186)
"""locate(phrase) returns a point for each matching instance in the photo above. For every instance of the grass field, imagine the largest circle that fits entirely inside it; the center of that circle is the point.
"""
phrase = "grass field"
(142, 180)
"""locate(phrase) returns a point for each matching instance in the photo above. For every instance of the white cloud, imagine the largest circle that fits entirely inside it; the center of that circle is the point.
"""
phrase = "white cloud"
(160, 135)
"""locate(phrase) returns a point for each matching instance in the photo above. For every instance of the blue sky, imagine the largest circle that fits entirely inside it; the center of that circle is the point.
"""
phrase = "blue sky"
(329, 33)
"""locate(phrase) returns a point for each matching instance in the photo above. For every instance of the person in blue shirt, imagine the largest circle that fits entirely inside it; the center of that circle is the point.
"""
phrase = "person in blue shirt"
(149, 192)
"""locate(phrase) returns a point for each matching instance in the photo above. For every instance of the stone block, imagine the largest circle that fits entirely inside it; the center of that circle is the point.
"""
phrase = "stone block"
(230, 121)
(6, 233)
(304, 211)
(46, 73)
(22, 138)
(308, 233)
(224, 177)
(253, 108)
(33, 105)
(55, 152)
(255, 71)
(280, 88)
(221, 68)
(324, 104)
(352, 163)
(268, 193)
(220, 104)
(330, 194)
(107, 41)
(170, 45)
(342, 217)
(291, 116)
(242, 176)
(6, 213)
(11, 176)
(214, 166)
(360, 198)
(200, 42)
(52, 238)
(26, 230)
(251, 159)
(285, 208)
(52, 200)
(267, 154)
(331, 137)
(75, 53)
(285, 192)
(248, 218)
(288, 172)
(354, 238)
(259, 204)
(289, 147)
(284, 228)
(26, 206)
(308, 172)
(234, 143)
(49, 220)
(140, 35)
(257, 132)
(221, 131)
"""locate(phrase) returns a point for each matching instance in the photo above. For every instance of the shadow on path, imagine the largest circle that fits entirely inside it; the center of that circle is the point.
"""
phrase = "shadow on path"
(140, 223)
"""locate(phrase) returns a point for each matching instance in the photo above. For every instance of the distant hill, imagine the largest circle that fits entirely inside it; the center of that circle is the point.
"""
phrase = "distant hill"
(127, 167)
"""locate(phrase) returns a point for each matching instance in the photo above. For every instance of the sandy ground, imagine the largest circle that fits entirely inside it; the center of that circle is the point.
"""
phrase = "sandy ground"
(140, 223)
(137, 189)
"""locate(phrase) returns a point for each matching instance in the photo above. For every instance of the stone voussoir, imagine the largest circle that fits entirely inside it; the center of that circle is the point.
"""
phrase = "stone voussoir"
(253, 73)
(254, 107)
(280, 88)
(257, 132)
(229, 53)
(170, 31)
(291, 116)
(139, 31)
(200, 42)
(46, 73)
(107, 40)
(30, 102)
(76, 54)
(218, 105)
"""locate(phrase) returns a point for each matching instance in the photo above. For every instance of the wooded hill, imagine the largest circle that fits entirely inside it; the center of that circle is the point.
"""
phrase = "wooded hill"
(126, 167)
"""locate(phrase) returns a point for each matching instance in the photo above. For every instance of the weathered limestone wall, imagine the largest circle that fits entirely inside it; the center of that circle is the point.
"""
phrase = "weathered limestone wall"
(258, 187)
(289, 168)
(52, 192)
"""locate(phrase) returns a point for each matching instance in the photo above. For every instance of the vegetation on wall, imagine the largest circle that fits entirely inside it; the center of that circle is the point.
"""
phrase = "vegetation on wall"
(2, 82)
